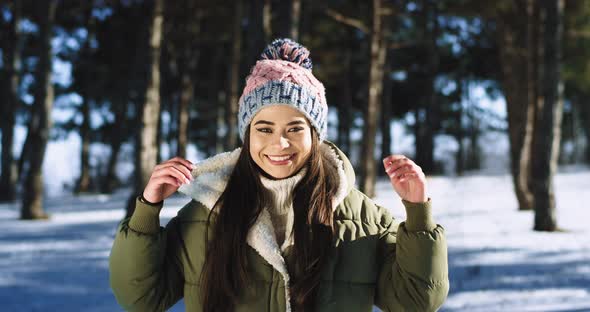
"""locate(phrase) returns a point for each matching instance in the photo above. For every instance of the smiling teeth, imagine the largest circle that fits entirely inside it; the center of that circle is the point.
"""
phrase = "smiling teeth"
(279, 158)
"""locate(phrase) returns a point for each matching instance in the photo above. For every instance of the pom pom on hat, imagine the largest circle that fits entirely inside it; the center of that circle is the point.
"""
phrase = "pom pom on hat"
(287, 50)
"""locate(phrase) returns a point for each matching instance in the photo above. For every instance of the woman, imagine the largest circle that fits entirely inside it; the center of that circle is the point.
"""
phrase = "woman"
(277, 224)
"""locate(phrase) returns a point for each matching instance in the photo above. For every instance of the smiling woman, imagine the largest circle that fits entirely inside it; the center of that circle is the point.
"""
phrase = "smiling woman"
(280, 142)
(277, 224)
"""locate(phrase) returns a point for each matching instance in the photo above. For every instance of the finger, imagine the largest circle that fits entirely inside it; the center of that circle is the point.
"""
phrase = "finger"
(182, 176)
(407, 169)
(396, 171)
(167, 180)
(172, 171)
(185, 162)
(177, 163)
(393, 169)
(182, 168)
(176, 160)
(396, 162)
(395, 166)
(392, 158)
(409, 176)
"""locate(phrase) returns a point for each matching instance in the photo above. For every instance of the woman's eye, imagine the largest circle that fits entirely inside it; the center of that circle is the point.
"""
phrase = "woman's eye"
(297, 129)
(265, 130)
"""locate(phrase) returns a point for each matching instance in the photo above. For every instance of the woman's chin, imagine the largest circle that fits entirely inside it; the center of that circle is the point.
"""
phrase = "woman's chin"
(277, 175)
(280, 173)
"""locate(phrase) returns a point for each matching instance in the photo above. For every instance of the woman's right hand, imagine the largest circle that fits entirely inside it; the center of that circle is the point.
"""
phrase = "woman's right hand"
(166, 178)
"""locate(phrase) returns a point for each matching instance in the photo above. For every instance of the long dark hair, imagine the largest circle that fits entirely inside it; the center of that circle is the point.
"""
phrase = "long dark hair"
(224, 271)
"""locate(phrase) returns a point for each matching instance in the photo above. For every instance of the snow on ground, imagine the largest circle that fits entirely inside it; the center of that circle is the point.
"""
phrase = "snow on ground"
(497, 263)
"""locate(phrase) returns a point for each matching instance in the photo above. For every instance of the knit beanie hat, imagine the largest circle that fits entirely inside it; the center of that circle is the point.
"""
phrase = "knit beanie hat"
(282, 76)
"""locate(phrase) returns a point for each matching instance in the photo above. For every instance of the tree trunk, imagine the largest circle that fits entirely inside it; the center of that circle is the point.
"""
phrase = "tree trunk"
(585, 124)
(386, 112)
(473, 158)
(12, 64)
(533, 88)
(426, 117)
(548, 119)
(40, 123)
(459, 132)
(188, 60)
(110, 181)
(186, 98)
(378, 53)
(345, 117)
(160, 133)
(231, 116)
(473, 154)
(518, 67)
(267, 20)
(295, 17)
(288, 21)
(213, 113)
(432, 117)
(83, 183)
(256, 32)
(568, 135)
(576, 128)
(211, 117)
(146, 148)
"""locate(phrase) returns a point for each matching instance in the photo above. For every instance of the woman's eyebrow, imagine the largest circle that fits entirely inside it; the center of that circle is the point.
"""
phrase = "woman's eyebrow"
(264, 122)
(295, 122)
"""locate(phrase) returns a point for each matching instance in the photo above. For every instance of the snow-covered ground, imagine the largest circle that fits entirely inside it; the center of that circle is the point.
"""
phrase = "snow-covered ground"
(497, 263)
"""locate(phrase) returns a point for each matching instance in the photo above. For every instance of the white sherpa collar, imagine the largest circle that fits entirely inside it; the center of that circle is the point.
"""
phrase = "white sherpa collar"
(210, 179)
(212, 174)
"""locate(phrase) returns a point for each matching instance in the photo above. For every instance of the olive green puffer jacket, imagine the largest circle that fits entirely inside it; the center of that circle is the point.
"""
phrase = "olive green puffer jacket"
(374, 260)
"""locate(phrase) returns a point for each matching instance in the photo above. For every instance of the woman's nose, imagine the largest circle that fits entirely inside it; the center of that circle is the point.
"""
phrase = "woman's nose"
(283, 142)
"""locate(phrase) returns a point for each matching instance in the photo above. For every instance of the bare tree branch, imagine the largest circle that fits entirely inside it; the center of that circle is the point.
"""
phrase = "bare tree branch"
(347, 20)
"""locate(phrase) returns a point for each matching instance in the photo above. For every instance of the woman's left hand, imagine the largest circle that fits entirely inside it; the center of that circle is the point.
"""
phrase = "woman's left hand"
(406, 177)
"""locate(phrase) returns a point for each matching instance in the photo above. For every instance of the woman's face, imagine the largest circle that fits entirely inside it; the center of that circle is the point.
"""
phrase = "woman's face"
(280, 140)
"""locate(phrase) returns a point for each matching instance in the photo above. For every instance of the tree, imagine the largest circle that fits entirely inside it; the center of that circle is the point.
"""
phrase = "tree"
(548, 118)
(231, 140)
(213, 113)
(426, 118)
(386, 110)
(40, 123)
(258, 32)
(146, 150)
(518, 58)
(116, 131)
(375, 91)
(576, 72)
(11, 62)
(288, 17)
(342, 59)
(346, 97)
(182, 52)
(121, 75)
(85, 77)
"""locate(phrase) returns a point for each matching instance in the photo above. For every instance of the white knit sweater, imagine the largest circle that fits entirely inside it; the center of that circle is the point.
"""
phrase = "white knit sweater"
(281, 209)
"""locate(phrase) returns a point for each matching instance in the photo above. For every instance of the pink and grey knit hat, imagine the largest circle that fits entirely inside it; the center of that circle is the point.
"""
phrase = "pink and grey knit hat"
(282, 76)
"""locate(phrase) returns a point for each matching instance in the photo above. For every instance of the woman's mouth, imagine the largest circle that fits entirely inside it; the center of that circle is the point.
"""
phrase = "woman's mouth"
(280, 159)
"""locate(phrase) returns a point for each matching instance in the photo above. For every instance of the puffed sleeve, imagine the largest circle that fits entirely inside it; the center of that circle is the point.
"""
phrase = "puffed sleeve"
(146, 272)
(414, 271)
